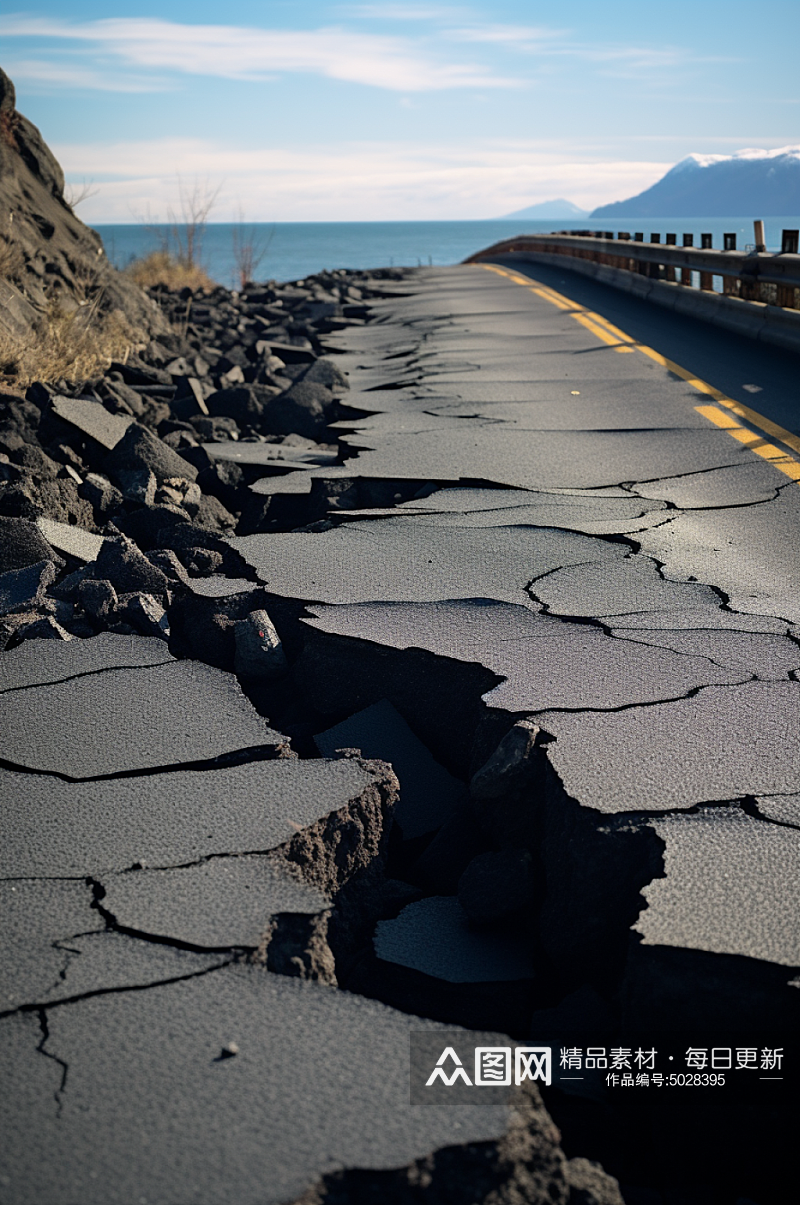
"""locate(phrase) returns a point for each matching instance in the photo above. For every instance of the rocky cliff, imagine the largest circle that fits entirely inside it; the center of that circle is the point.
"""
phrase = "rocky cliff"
(48, 258)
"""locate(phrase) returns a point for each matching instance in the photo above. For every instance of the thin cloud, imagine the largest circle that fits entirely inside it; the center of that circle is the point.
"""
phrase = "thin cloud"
(237, 52)
(513, 35)
(404, 12)
(55, 75)
(363, 181)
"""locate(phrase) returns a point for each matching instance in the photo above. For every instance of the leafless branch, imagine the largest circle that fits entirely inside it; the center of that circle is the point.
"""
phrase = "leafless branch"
(249, 248)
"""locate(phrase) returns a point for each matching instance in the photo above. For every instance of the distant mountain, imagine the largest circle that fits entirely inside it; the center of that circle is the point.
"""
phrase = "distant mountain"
(549, 209)
(751, 183)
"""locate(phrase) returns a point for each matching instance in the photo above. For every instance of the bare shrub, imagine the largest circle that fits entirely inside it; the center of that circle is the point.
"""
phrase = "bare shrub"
(159, 269)
(249, 248)
(177, 263)
(76, 194)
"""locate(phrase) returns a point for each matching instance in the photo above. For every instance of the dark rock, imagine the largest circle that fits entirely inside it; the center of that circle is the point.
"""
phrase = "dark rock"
(246, 404)
(177, 367)
(301, 410)
(32, 458)
(216, 429)
(189, 398)
(506, 790)
(9, 471)
(148, 526)
(144, 614)
(22, 543)
(205, 628)
(337, 493)
(235, 357)
(57, 499)
(41, 628)
(39, 394)
(259, 651)
(496, 885)
(179, 440)
(166, 560)
(233, 377)
(121, 563)
(327, 372)
(117, 390)
(24, 589)
(185, 538)
(137, 485)
(202, 562)
(590, 1185)
(67, 589)
(180, 492)
(140, 450)
(212, 515)
(135, 372)
(98, 598)
(223, 480)
(429, 793)
(104, 497)
(293, 353)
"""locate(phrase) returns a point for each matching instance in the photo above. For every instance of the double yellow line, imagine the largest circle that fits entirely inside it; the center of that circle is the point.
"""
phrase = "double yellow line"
(614, 337)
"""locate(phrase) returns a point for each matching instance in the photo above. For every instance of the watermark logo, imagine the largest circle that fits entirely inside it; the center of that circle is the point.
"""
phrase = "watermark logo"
(458, 1071)
(459, 1067)
(448, 1068)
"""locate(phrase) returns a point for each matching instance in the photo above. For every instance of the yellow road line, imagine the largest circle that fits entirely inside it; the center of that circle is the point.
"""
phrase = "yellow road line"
(753, 441)
(621, 342)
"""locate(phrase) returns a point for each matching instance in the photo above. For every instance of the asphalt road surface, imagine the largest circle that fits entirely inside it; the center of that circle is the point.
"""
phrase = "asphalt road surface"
(570, 621)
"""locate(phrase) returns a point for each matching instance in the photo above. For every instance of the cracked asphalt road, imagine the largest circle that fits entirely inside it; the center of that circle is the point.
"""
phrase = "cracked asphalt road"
(656, 647)
(591, 565)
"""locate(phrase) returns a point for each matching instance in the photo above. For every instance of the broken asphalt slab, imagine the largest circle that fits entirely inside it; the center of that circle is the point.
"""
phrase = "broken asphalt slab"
(56, 829)
(124, 720)
(132, 1095)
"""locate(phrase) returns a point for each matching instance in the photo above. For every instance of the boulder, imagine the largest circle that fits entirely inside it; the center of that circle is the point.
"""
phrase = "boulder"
(22, 543)
(140, 450)
(301, 410)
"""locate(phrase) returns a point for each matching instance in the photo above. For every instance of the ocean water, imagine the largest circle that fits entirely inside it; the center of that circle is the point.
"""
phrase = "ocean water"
(292, 250)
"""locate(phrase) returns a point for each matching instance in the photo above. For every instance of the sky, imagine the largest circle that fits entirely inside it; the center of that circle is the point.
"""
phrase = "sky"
(297, 110)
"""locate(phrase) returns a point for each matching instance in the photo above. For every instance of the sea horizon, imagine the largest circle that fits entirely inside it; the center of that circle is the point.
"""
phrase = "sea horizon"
(294, 250)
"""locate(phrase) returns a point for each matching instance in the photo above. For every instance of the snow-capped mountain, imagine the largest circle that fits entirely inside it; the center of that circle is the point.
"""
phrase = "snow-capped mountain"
(751, 183)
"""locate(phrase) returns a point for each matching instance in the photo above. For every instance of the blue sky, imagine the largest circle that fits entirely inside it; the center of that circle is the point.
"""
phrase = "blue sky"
(325, 111)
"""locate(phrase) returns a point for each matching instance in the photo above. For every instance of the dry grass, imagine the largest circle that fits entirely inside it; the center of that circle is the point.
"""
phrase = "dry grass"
(70, 346)
(160, 269)
(12, 261)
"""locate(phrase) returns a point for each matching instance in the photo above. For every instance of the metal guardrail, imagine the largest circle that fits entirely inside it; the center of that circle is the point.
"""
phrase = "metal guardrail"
(751, 275)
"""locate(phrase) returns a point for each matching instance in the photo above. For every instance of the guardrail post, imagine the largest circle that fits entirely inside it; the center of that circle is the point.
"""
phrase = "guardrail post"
(788, 294)
(669, 270)
(730, 284)
(654, 270)
(686, 273)
(761, 238)
(707, 278)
